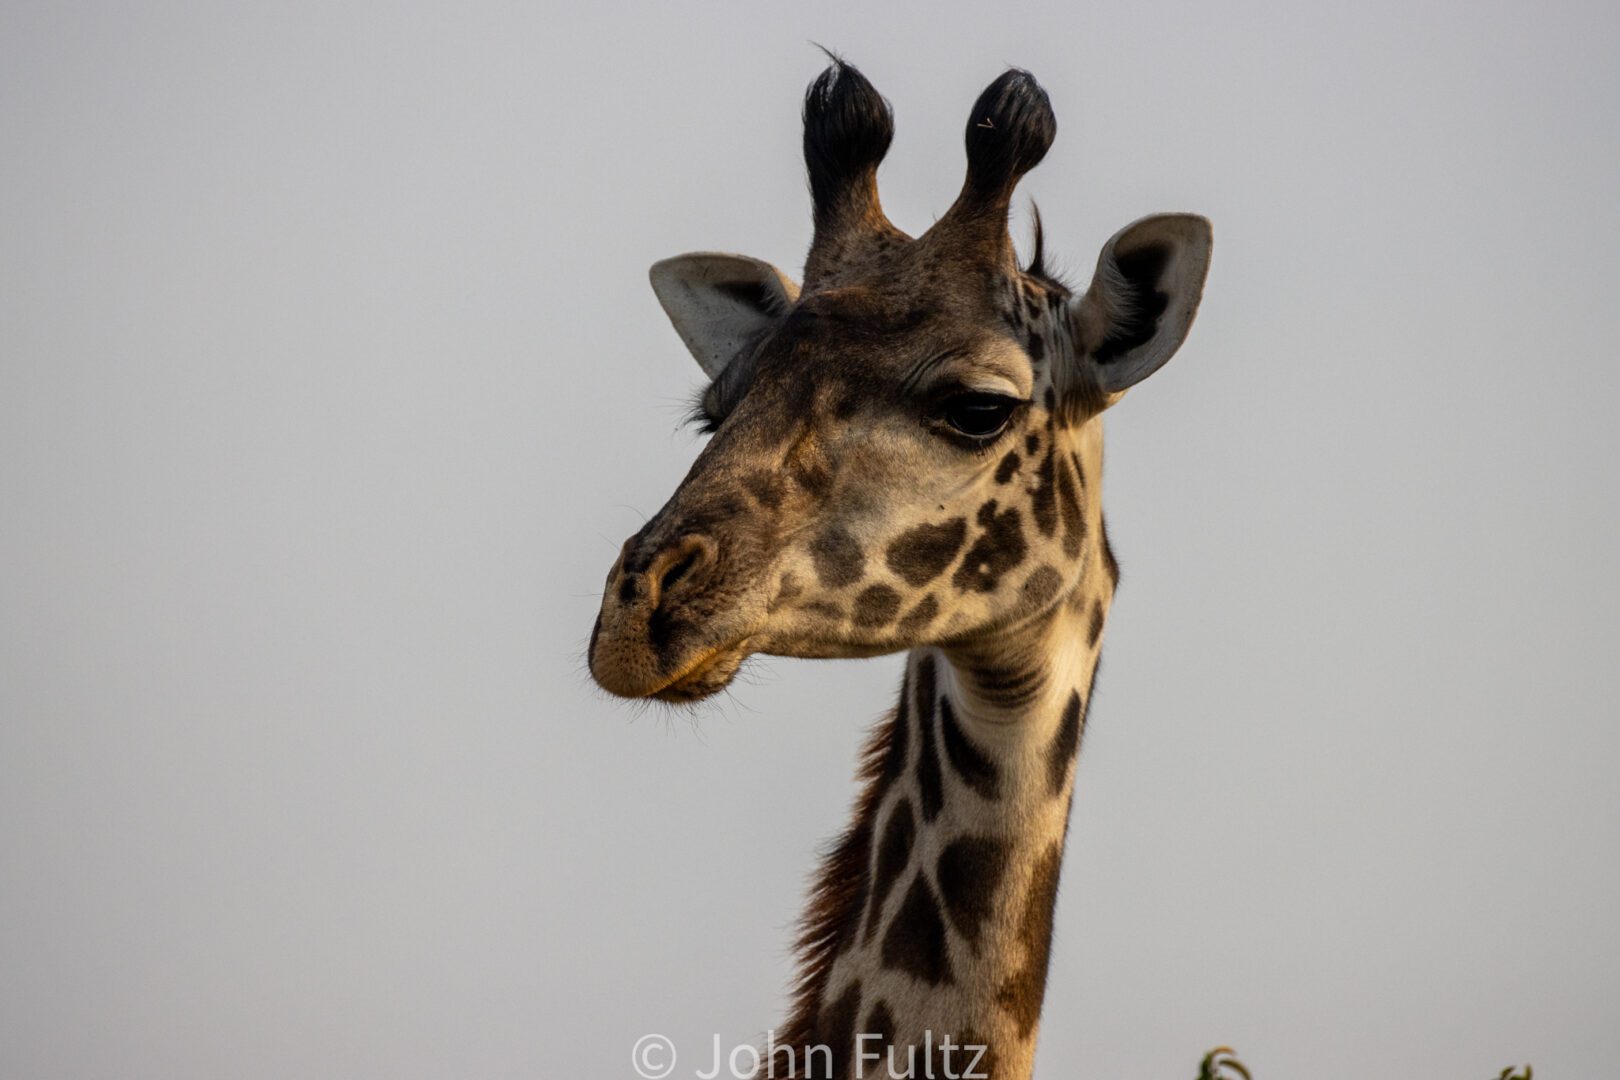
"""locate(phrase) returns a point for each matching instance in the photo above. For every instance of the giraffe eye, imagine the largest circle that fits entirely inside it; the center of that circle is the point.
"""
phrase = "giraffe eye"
(979, 416)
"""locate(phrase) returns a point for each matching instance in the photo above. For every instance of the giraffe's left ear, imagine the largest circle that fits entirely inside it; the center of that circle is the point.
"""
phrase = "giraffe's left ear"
(721, 304)
(1141, 303)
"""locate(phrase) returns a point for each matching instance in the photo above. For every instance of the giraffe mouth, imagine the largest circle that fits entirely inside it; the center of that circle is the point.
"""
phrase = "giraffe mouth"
(706, 674)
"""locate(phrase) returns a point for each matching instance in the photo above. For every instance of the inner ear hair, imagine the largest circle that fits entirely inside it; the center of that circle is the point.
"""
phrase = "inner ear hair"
(1135, 299)
(1142, 299)
(755, 293)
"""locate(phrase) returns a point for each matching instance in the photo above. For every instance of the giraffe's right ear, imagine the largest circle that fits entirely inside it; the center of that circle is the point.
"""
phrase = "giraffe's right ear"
(1141, 303)
(721, 304)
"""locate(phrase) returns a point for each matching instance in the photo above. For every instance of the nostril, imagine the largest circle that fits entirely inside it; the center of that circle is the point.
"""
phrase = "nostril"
(680, 562)
(678, 571)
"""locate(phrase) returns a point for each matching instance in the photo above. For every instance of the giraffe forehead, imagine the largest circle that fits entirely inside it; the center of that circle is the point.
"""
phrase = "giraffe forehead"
(913, 274)
(868, 330)
(877, 348)
(914, 299)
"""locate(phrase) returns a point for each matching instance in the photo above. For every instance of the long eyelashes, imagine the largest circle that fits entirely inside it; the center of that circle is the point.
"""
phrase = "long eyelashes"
(974, 419)
(699, 416)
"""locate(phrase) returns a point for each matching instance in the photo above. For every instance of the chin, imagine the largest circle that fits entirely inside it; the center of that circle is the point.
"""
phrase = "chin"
(705, 680)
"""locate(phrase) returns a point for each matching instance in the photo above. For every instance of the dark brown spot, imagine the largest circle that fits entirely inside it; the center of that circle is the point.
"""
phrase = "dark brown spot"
(876, 606)
(1096, 623)
(826, 609)
(892, 854)
(1008, 467)
(930, 784)
(919, 616)
(838, 558)
(969, 873)
(1066, 743)
(921, 554)
(998, 549)
(765, 487)
(1022, 993)
(1074, 522)
(1041, 586)
(970, 763)
(880, 1025)
(915, 941)
(1045, 494)
(1108, 557)
(836, 1028)
(811, 476)
(1032, 443)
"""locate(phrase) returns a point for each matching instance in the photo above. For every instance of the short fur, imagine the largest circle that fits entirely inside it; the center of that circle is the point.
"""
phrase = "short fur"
(847, 506)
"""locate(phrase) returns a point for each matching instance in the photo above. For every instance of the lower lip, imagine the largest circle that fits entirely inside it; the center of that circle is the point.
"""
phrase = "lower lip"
(698, 668)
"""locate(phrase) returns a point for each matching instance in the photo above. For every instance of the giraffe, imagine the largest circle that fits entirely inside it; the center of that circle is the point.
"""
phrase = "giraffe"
(906, 454)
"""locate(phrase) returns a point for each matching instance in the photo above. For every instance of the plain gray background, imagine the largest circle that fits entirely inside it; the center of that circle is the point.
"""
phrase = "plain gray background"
(330, 382)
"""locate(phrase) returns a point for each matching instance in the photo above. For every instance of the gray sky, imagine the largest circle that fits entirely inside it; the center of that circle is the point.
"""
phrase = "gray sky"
(330, 382)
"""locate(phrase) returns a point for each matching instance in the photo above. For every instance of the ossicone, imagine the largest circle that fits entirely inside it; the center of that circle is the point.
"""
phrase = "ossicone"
(1008, 133)
(847, 130)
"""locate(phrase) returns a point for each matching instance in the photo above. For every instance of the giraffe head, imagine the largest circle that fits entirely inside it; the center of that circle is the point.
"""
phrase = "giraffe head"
(905, 450)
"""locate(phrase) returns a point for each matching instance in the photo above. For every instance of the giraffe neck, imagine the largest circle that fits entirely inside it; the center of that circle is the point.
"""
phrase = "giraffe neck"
(933, 918)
